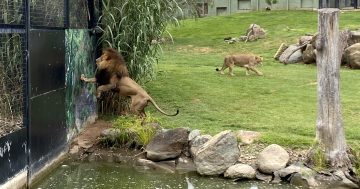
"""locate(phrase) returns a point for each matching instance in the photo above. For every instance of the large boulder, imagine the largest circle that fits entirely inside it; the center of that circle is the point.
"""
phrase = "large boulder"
(352, 56)
(185, 164)
(272, 158)
(197, 143)
(193, 134)
(253, 33)
(355, 37)
(240, 171)
(256, 31)
(167, 144)
(217, 154)
(289, 56)
(309, 54)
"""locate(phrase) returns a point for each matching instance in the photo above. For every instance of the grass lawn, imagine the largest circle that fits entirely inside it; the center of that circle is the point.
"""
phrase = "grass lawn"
(282, 104)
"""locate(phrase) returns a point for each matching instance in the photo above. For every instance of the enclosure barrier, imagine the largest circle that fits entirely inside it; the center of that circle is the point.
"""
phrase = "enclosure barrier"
(44, 47)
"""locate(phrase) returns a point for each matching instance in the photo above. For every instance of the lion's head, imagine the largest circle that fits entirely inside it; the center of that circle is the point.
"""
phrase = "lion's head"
(259, 59)
(112, 62)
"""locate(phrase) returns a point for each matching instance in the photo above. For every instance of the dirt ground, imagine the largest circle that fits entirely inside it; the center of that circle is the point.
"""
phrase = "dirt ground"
(87, 146)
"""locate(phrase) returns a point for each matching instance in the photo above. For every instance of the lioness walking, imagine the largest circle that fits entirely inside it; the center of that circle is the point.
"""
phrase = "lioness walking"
(247, 61)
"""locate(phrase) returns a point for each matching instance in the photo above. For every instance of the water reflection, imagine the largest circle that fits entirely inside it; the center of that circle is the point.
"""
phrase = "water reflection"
(109, 175)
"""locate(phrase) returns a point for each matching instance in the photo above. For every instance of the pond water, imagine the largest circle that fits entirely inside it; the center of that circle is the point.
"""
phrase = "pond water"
(99, 175)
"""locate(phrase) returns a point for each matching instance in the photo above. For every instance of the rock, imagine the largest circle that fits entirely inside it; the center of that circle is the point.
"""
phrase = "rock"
(263, 177)
(330, 179)
(303, 180)
(163, 166)
(305, 39)
(217, 154)
(193, 134)
(197, 143)
(309, 54)
(294, 58)
(290, 170)
(247, 137)
(74, 150)
(255, 32)
(295, 168)
(280, 50)
(344, 182)
(167, 144)
(240, 171)
(272, 158)
(355, 37)
(352, 56)
(185, 164)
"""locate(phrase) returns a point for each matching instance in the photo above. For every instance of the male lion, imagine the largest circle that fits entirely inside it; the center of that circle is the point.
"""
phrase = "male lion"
(114, 77)
(247, 61)
(110, 68)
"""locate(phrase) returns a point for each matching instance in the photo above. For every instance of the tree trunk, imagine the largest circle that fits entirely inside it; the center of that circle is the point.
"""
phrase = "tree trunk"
(330, 132)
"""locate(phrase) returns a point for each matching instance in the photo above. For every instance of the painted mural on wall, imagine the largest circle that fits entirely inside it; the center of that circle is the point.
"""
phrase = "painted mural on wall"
(80, 98)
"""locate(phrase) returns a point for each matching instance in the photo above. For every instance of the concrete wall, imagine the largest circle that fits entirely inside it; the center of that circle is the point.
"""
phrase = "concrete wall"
(227, 7)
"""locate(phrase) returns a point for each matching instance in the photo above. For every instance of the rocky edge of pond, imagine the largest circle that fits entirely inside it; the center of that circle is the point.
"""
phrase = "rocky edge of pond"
(232, 155)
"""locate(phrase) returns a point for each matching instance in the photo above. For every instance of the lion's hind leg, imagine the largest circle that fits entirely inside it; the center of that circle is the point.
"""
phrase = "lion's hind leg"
(138, 106)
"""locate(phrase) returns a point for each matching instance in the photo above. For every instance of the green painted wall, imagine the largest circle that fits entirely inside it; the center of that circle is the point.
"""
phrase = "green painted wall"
(80, 98)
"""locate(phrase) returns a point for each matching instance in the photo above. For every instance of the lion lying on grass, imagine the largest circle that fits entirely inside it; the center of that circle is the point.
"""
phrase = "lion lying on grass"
(112, 74)
(247, 61)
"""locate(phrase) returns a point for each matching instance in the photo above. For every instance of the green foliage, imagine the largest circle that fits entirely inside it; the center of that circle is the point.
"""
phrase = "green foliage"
(317, 157)
(11, 81)
(11, 11)
(356, 152)
(130, 26)
(271, 2)
(134, 130)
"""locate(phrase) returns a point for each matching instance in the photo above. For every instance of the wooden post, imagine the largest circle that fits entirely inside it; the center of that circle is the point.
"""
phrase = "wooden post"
(330, 132)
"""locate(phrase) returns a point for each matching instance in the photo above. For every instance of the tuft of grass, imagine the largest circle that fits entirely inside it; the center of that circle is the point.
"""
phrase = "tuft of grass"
(134, 130)
(318, 157)
(356, 152)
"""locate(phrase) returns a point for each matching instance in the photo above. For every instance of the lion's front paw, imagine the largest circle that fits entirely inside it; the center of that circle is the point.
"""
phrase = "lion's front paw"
(98, 95)
(82, 77)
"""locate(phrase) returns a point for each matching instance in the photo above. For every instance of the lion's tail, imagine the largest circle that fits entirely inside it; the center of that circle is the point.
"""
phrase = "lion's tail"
(217, 69)
(160, 110)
